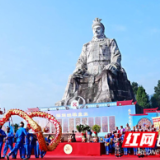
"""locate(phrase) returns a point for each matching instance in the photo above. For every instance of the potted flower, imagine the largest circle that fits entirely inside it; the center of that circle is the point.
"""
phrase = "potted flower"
(96, 129)
(84, 129)
(81, 136)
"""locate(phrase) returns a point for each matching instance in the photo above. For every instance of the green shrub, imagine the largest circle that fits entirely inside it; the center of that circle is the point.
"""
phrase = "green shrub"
(79, 128)
(96, 128)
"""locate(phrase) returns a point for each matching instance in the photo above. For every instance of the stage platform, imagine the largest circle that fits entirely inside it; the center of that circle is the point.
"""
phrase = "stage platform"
(79, 149)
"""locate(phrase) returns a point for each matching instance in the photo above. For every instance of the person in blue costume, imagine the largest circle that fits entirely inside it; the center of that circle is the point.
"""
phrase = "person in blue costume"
(8, 143)
(111, 136)
(147, 149)
(27, 144)
(40, 152)
(101, 139)
(111, 146)
(2, 136)
(107, 143)
(125, 150)
(89, 134)
(135, 130)
(33, 145)
(20, 138)
(48, 139)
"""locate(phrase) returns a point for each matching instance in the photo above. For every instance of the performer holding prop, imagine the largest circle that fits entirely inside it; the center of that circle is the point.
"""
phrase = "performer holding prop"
(33, 145)
(27, 144)
(2, 135)
(9, 143)
(20, 135)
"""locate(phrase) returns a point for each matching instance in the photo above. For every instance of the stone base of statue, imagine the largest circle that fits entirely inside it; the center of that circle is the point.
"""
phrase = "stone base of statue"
(106, 87)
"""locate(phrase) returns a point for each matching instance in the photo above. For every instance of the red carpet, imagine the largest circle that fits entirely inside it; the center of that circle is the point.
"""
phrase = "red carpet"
(95, 157)
(84, 151)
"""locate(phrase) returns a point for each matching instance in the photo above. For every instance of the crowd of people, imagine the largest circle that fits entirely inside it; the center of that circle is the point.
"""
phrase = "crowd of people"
(113, 141)
(25, 143)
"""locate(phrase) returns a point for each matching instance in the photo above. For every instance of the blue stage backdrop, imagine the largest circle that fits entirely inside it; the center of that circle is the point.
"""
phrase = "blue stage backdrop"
(106, 117)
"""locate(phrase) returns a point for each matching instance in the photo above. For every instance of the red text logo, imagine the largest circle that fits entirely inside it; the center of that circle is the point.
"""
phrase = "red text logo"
(75, 104)
(140, 139)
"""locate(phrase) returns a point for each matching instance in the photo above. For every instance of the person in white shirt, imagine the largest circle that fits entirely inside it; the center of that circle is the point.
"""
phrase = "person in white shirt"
(127, 128)
(136, 128)
(140, 128)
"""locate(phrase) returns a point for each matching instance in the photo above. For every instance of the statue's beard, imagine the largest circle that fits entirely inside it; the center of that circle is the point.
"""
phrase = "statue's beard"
(96, 37)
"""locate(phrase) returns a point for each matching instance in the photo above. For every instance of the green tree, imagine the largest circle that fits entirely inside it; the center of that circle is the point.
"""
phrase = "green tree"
(155, 100)
(142, 97)
(135, 87)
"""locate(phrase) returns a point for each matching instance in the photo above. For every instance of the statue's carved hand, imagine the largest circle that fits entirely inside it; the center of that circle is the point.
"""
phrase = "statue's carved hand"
(78, 73)
(111, 67)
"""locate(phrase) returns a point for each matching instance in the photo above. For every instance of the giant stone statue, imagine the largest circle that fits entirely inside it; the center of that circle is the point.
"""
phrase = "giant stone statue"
(98, 76)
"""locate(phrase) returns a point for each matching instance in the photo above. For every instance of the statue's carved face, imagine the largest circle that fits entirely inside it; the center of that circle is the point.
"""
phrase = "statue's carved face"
(97, 31)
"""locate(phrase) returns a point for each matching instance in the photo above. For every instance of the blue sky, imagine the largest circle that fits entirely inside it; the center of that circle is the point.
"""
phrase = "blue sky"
(41, 40)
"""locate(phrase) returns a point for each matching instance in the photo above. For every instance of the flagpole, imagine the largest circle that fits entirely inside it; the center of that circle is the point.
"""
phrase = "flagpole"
(9, 122)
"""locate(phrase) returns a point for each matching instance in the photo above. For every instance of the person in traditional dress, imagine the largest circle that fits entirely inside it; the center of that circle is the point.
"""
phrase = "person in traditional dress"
(117, 145)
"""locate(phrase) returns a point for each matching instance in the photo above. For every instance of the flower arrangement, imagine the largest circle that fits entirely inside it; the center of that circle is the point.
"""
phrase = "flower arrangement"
(82, 129)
